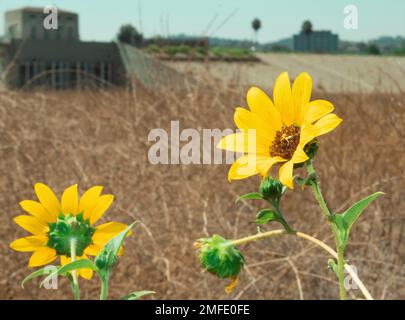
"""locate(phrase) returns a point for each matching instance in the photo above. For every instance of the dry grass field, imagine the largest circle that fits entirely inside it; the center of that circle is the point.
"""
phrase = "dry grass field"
(100, 137)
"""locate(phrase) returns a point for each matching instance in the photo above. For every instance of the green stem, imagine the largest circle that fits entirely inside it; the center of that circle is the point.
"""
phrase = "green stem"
(329, 215)
(284, 223)
(75, 283)
(104, 286)
(341, 275)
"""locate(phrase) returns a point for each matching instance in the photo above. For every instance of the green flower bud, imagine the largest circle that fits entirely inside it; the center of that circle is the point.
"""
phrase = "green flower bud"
(220, 257)
(105, 260)
(271, 189)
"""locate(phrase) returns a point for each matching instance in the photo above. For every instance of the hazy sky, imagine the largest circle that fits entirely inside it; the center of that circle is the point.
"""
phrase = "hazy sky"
(100, 19)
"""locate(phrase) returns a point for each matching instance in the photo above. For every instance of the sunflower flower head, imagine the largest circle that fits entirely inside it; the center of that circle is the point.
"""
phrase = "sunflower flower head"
(278, 132)
(55, 225)
(220, 257)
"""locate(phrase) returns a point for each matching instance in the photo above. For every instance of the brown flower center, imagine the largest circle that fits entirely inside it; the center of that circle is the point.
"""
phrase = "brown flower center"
(285, 142)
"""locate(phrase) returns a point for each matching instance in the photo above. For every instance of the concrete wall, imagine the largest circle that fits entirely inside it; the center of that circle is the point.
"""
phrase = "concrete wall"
(13, 27)
(68, 64)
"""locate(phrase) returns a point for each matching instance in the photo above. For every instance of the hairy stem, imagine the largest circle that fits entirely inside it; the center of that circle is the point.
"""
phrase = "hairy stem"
(329, 215)
(104, 286)
(317, 242)
(75, 283)
(340, 272)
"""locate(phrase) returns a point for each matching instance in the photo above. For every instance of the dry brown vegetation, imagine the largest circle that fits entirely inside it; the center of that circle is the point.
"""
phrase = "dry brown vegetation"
(100, 137)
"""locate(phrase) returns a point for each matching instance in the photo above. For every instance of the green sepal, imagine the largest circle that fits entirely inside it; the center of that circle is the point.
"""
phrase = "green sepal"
(272, 190)
(75, 265)
(220, 257)
(311, 149)
(38, 273)
(345, 221)
(250, 196)
(137, 295)
(107, 257)
(68, 227)
(308, 181)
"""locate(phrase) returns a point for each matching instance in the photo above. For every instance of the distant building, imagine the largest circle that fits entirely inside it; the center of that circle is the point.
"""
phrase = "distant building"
(316, 42)
(32, 56)
(27, 23)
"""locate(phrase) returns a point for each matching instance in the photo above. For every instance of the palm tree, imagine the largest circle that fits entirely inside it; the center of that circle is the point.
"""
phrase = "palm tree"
(307, 27)
(256, 25)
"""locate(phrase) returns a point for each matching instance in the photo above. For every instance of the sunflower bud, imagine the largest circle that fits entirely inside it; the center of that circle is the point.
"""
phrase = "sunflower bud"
(271, 189)
(220, 257)
(105, 260)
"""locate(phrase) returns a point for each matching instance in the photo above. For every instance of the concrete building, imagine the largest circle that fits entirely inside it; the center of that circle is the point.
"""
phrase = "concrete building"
(28, 23)
(35, 56)
(316, 42)
(32, 56)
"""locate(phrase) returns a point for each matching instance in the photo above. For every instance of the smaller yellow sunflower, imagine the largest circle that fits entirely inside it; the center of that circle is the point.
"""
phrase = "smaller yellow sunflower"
(54, 224)
(278, 133)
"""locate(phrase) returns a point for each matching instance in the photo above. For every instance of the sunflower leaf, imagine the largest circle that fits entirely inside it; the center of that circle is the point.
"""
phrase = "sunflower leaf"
(75, 265)
(137, 295)
(347, 219)
(107, 257)
(267, 215)
(38, 273)
(250, 196)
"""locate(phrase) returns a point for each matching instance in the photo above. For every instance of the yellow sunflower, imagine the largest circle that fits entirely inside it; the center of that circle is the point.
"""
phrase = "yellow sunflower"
(55, 224)
(278, 132)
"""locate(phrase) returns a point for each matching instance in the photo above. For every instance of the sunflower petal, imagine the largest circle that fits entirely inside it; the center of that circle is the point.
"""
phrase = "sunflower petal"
(103, 203)
(327, 123)
(308, 133)
(47, 198)
(246, 142)
(260, 104)
(243, 167)
(92, 250)
(70, 200)
(299, 156)
(37, 210)
(246, 120)
(264, 164)
(42, 256)
(89, 198)
(64, 260)
(301, 91)
(29, 244)
(85, 273)
(283, 98)
(31, 224)
(316, 109)
(111, 228)
(105, 232)
(286, 174)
